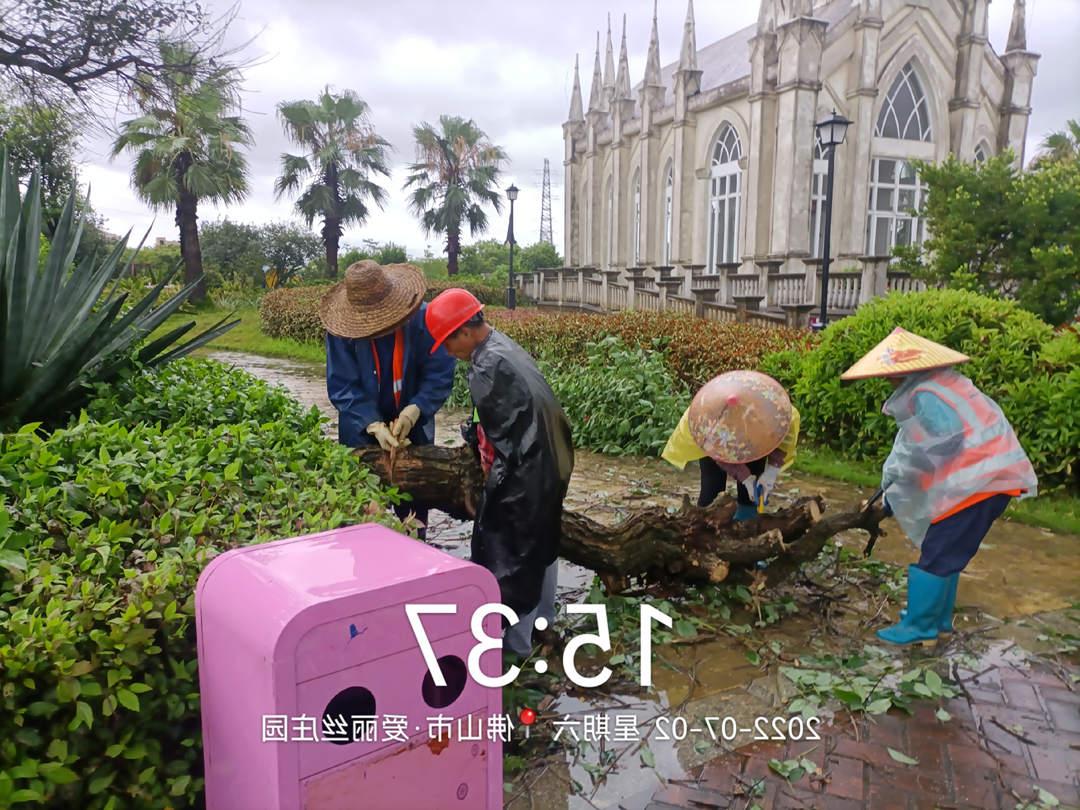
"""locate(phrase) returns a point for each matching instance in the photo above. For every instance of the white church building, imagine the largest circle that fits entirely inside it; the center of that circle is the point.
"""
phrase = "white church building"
(702, 187)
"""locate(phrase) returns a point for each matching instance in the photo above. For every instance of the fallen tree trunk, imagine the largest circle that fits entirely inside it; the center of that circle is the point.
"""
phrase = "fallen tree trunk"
(693, 544)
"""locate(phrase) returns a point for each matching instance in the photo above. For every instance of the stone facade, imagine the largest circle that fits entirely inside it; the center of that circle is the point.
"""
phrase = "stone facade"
(709, 166)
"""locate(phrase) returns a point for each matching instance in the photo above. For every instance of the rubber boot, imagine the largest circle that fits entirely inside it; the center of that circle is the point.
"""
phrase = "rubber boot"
(744, 512)
(926, 598)
(945, 624)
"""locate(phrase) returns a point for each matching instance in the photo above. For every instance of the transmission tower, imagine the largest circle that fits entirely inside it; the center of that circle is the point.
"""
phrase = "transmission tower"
(545, 206)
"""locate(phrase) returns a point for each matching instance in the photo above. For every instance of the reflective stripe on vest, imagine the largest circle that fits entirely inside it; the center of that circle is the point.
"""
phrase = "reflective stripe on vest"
(990, 446)
(399, 365)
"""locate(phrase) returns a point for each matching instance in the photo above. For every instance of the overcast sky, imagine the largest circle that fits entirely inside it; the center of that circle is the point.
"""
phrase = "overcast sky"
(506, 64)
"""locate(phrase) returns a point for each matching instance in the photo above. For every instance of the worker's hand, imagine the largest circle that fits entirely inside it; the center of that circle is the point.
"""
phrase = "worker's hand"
(750, 483)
(383, 436)
(766, 483)
(406, 421)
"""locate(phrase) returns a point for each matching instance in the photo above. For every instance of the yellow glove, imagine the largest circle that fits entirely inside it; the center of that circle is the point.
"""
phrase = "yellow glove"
(406, 421)
(383, 435)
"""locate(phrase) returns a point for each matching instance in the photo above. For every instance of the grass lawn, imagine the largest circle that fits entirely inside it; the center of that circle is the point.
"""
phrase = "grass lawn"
(1059, 513)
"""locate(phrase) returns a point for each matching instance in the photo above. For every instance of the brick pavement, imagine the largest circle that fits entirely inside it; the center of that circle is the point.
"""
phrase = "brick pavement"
(1016, 728)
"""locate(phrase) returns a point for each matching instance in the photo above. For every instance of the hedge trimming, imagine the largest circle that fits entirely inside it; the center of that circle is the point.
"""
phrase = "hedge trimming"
(104, 529)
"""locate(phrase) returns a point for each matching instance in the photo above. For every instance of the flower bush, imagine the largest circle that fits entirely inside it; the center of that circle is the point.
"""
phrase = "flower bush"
(1016, 359)
(104, 528)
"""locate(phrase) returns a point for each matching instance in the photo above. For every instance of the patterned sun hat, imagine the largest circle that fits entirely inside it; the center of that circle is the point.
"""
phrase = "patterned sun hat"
(740, 416)
(903, 352)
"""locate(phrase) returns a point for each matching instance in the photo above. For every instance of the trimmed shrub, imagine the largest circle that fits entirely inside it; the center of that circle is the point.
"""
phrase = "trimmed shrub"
(104, 529)
(1015, 360)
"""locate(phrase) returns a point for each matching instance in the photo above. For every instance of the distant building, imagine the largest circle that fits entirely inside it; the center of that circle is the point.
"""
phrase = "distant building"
(711, 162)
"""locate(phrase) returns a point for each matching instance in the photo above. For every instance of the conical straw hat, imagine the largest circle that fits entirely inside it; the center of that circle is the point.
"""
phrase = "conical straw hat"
(903, 353)
(373, 299)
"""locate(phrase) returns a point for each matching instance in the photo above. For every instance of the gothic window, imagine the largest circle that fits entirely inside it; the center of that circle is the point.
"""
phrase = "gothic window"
(982, 153)
(817, 201)
(609, 256)
(905, 115)
(669, 198)
(896, 193)
(636, 252)
(724, 189)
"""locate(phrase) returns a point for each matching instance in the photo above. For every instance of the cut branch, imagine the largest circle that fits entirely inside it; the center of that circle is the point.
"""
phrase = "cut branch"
(693, 544)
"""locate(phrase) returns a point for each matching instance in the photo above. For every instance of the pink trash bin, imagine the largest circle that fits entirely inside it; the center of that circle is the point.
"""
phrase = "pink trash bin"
(311, 633)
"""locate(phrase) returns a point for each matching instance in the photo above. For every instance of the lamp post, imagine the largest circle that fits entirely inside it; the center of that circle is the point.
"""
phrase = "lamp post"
(511, 291)
(831, 133)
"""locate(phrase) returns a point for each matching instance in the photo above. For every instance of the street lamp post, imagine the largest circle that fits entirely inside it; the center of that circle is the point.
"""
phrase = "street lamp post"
(831, 133)
(511, 291)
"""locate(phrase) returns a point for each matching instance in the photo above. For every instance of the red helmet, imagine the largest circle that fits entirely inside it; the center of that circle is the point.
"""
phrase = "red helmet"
(448, 311)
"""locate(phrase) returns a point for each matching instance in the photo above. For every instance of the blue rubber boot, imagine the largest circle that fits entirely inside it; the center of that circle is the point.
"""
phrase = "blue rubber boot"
(744, 512)
(926, 598)
(945, 624)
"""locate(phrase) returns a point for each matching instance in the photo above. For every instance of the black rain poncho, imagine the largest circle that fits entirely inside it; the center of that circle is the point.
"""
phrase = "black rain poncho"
(518, 520)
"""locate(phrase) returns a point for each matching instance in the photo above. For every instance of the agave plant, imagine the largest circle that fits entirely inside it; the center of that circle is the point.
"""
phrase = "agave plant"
(60, 330)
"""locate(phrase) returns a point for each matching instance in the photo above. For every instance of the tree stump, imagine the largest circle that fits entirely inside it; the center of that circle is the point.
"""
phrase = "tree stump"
(693, 544)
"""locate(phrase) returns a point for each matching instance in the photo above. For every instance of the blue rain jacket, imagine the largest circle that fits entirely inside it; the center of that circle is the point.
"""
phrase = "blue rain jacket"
(354, 388)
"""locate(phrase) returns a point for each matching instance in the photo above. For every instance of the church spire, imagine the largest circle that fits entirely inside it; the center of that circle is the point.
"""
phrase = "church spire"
(652, 62)
(596, 94)
(609, 60)
(622, 78)
(576, 111)
(1018, 28)
(688, 54)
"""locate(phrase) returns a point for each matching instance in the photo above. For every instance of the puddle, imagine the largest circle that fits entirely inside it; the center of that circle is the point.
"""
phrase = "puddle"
(1019, 583)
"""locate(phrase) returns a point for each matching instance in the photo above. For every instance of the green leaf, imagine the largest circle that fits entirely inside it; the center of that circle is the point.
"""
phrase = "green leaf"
(879, 706)
(180, 785)
(12, 560)
(648, 759)
(232, 471)
(933, 680)
(943, 715)
(902, 758)
(128, 699)
(84, 715)
(100, 782)
(685, 628)
(27, 795)
(58, 774)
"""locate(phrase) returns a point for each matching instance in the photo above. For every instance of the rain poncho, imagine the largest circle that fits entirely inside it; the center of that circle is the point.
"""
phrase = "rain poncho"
(519, 518)
(681, 449)
(954, 444)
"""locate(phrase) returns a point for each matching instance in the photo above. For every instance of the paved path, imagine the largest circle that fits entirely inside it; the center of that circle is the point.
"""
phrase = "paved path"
(976, 760)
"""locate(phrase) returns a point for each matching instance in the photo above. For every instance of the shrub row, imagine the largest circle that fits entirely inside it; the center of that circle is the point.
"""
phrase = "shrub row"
(104, 529)
(1017, 359)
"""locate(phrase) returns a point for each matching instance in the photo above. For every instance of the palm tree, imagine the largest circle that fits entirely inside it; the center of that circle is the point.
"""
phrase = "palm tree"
(455, 175)
(1061, 146)
(342, 152)
(187, 146)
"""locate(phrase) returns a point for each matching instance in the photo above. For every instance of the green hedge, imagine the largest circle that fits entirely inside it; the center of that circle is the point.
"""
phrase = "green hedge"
(104, 529)
(1033, 374)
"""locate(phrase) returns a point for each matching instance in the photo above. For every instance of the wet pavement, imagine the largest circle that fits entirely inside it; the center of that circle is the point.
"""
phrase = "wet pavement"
(1017, 590)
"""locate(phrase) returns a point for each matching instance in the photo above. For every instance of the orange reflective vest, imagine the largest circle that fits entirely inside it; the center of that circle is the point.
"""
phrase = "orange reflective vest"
(399, 365)
(989, 460)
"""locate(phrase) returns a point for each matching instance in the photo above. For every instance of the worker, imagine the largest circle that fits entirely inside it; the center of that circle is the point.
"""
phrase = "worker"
(382, 374)
(753, 438)
(526, 448)
(954, 467)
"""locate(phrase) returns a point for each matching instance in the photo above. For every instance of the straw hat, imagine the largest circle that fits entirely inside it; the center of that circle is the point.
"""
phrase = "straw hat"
(373, 300)
(740, 416)
(903, 353)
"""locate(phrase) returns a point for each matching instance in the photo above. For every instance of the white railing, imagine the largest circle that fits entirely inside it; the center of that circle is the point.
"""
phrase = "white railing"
(790, 296)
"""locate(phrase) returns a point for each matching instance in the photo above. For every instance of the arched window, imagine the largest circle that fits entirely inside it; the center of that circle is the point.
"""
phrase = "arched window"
(609, 254)
(636, 233)
(669, 200)
(896, 194)
(982, 152)
(905, 115)
(817, 200)
(724, 190)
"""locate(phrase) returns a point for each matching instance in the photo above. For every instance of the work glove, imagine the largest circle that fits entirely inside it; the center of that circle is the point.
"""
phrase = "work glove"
(766, 482)
(383, 436)
(469, 434)
(406, 421)
(751, 484)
